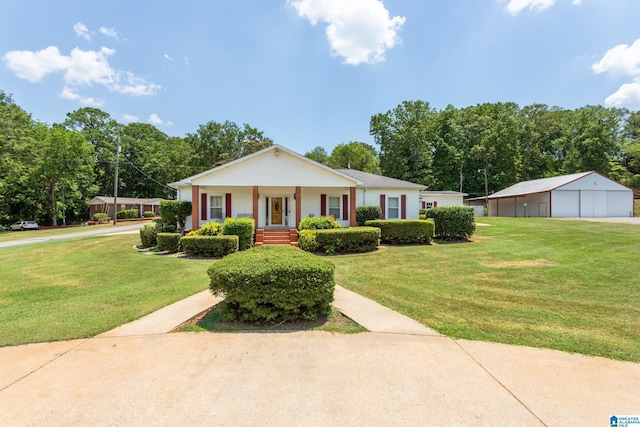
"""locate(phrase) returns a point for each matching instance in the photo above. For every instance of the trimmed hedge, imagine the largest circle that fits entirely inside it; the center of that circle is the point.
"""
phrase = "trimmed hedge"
(149, 214)
(307, 240)
(209, 246)
(100, 217)
(273, 283)
(164, 227)
(404, 231)
(322, 223)
(354, 239)
(244, 228)
(128, 214)
(367, 213)
(168, 242)
(208, 229)
(149, 235)
(453, 222)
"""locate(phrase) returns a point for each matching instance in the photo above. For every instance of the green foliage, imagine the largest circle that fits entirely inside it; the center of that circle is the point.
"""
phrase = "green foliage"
(164, 227)
(100, 217)
(127, 214)
(208, 229)
(149, 214)
(312, 223)
(355, 155)
(366, 213)
(307, 240)
(404, 231)
(318, 154)
(244, 228)
(168, 242)
(273, 283)
(209, 246)
(175, 212)
(453, 222)
(348, 240)
(149, 235)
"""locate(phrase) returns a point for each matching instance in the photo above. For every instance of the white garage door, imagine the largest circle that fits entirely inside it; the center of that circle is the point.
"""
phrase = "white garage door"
(593, 204)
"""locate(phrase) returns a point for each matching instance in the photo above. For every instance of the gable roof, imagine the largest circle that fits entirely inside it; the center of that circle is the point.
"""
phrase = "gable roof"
(538, 185)
(372, 180)
(272, 148)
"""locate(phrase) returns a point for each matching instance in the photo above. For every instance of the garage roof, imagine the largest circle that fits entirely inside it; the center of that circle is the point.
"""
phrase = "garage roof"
(538, 185)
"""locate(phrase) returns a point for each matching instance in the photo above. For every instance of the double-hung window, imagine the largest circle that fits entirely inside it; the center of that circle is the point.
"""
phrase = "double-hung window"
(334, 206)
(393, 208)
(215, 206)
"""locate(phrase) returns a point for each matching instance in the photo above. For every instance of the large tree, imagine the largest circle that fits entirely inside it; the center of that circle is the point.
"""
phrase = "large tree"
(355, 155)
(318, 154)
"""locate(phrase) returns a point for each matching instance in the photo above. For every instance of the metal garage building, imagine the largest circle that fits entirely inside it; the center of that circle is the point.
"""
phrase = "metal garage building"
(583, 195)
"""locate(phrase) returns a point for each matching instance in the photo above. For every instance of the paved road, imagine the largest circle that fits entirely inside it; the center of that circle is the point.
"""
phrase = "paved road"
(88, 232)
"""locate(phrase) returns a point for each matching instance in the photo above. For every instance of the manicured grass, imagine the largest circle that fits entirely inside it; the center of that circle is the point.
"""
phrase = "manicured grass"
(80, 288)
(334, 322)
(561, 284)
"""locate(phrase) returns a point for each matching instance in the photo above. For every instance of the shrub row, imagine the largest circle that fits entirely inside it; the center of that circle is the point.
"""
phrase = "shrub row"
(244, 228)
(344, 240)
(453, 222)
(367, 213)
(169, 242)
(128, 214)
(209, 246)
(100, 217)
(149, 214)
(273, 283)
(323, 223)
(403, 231)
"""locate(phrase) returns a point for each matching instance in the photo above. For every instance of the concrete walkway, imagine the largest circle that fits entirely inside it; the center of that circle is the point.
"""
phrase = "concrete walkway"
(401, 374)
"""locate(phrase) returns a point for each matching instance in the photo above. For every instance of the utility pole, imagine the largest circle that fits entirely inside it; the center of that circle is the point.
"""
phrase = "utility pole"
(115, 183)
(486, 190)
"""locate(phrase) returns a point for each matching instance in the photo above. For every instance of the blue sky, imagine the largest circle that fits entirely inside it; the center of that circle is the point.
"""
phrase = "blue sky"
(312, 72)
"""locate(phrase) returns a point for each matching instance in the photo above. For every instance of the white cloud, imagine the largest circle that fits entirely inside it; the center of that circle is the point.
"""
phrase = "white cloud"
(82, 30)
(109, 32)
(516, 6)
(622, 61)
(167, 57)
(154, 119)
(129, 118)
(81, 68)
(71, 95)
(358, 30)
(619, 61)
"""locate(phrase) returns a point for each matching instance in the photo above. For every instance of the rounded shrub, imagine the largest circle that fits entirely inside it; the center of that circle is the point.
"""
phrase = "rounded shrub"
(367, 213)
(100, 217)
(244, 228)
(148, 214)
(453, 222)
(168, 242)
(208, 229)
(322, 223)
(273, 283)
(149, 235)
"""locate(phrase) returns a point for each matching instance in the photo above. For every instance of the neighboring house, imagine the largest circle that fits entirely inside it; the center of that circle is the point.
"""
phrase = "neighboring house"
(278, 187)
(433, 199)
(579, 195)
(104, 204)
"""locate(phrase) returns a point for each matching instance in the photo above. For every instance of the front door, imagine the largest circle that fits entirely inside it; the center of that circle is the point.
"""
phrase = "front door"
(276, 210)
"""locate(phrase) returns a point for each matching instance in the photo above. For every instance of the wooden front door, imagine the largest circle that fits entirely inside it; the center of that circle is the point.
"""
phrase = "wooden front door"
(276, 210)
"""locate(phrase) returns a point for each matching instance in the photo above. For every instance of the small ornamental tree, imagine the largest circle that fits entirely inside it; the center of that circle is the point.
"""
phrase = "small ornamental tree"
(175, 211)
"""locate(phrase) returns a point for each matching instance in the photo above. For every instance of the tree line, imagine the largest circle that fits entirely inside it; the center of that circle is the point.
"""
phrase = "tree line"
(50, 172)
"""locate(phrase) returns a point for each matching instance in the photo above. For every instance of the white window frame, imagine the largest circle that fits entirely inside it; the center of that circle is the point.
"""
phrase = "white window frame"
(212, 207)
(396, 208)
(338, 217)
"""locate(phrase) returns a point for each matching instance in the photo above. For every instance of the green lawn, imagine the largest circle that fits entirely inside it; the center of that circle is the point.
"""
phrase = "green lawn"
(28, 234)
(566, 285)
(80, 288)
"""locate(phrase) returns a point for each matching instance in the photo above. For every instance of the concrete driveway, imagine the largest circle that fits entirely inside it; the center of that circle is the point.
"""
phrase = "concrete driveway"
(34, 238)
(402, 374)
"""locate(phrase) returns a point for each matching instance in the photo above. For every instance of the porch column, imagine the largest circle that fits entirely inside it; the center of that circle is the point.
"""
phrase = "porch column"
(195, 208)
(298, 206)
(255, 205)
(352, 207)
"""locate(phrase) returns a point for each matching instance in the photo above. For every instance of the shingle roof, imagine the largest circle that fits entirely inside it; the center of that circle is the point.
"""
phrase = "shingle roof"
(99, 200)
(372, 180)
(538, 185)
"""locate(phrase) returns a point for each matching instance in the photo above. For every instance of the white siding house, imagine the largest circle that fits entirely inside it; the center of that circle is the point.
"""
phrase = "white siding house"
(433, 199)
(277, 188)
(580, 195)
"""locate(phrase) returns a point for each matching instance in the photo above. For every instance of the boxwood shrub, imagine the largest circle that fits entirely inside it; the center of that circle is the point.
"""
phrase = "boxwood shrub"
(127, 214)
(168, 242)
(307, 240)
(404, 231)
(244, 228)
(355, 239)
(208, 229)
(149, 235)
(453, 222)
(209, 246)
(273, 283)
(367, 213)
(149, 214)
(100, 217)
(322, 223)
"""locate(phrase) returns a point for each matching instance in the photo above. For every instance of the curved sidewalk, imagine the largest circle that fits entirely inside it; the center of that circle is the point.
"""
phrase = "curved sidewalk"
(401, 374)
